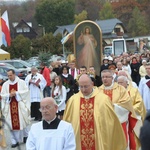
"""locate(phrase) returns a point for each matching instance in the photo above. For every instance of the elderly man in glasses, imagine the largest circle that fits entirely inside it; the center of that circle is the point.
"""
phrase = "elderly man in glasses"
(95, 124)
(122, 105)
(51, 133)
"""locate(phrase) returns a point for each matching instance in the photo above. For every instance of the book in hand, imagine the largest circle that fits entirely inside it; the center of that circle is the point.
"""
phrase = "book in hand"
(148, 83)
(36, 83)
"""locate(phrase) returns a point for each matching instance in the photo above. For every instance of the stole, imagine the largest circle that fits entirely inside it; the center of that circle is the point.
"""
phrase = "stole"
(14, 109)
(87, 124)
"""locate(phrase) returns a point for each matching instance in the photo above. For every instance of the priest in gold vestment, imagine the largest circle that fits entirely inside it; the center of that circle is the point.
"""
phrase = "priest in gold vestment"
(95, 123)
(122, 105)
(135, 96)
(137, 103)
(116, 92)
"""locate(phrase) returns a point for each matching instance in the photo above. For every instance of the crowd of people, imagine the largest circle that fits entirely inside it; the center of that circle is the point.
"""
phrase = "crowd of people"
(77, 109)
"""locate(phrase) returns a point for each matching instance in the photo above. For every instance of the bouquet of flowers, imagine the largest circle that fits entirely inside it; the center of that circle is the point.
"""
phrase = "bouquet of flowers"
(66, 83)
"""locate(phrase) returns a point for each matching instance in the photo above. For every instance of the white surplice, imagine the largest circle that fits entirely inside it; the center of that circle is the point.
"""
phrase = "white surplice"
(145, 92)
(36, 93)
(22, 96)
(61, 138)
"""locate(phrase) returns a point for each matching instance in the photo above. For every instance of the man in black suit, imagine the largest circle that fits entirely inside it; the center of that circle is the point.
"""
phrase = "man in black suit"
(145, 133)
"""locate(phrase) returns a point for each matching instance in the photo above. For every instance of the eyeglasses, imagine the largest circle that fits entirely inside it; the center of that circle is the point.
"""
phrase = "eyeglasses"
(48, 107)
(84, 87)
(106, 76)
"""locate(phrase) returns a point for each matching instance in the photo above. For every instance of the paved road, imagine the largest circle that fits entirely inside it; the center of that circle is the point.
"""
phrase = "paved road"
(21, 146)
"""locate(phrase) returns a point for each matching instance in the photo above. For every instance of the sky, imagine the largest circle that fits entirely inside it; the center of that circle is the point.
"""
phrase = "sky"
(11, 0)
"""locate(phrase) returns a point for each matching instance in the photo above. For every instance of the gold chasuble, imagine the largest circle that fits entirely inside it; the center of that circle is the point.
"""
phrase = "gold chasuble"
(95, 123)
(14, 109)
(137, 101)
(139, 108)
(119, 95)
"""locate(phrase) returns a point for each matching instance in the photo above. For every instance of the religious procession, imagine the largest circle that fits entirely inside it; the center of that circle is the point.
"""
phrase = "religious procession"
(90, 101)
(62, 107)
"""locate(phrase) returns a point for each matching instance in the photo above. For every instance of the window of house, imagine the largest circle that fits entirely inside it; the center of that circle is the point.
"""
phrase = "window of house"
(117, 30)
(26, 29)
(19, 30)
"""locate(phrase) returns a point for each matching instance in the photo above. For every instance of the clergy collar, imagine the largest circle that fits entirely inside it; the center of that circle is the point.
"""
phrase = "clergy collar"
(53, 124)
(89, 96)
(51, 120)
(109, 87)
(13, 82)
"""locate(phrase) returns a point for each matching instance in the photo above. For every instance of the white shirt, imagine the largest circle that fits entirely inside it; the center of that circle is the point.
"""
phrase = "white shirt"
(61, 138)
(60, 97)
(36, 92)
(145, 92)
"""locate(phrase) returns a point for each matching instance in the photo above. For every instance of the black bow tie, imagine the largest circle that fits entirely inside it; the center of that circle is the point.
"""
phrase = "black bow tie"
(147, 77)
(53, 125)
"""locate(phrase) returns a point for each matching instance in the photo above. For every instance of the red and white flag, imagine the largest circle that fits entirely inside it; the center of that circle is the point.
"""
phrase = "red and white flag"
(5, 30)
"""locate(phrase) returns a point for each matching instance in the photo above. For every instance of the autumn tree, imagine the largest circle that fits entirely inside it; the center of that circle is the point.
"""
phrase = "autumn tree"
(48, 43)
(106, 12)
(137, 24)
(20, 46)
(51, 13)
(142, 1)
(80, 17)
(123, 9)
(92, 7)
(145, 9)
(18, 11)
(147, 15)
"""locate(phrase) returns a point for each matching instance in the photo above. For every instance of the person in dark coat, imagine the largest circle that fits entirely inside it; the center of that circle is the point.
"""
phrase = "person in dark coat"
(94, 77)
(67, 81)
(145, 133)
(135, 66)
(104, 66)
